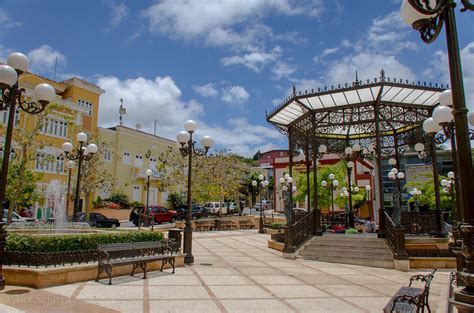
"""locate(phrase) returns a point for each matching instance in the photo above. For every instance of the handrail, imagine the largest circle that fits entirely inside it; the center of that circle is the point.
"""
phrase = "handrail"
(395, 238)
(299, 232)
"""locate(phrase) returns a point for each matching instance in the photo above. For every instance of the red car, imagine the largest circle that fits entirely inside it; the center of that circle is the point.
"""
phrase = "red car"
(160, 214)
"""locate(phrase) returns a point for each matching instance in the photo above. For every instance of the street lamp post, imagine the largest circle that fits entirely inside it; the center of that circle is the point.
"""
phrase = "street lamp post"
(263, 184)
(428, 18)
(287, 187)
(332, 186)
(148, 174)
(397, 176)
(416, 193)
(188, 148)
(351, 154)
(70, 166)
(82, 153)
(11, 96)
(448, 186)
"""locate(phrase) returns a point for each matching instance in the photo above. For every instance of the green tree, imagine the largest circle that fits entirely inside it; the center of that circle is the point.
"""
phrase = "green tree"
(176, 199)
(256, 156)
(27, 193)
(428, 197)
(324, 194)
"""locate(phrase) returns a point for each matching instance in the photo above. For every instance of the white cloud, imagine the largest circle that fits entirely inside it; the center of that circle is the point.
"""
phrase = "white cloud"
(160, 99)
(243, 137)
(43, 59)
(439, 68)
(207, 90)
(146, 101)
(6, 23)
(196, 19)
(254, 60)
(232, 24)
(235, 95)
(368, 66)
(282, 69)
(118, 12)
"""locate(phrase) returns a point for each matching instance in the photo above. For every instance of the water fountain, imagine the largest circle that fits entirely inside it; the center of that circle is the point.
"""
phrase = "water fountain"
(53, 217)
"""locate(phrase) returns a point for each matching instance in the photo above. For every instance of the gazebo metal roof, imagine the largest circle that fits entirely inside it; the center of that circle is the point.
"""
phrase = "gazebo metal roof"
(358, 111)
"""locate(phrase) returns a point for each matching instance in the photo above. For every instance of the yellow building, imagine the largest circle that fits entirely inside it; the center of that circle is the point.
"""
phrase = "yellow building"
(128, 154)
(75, 109)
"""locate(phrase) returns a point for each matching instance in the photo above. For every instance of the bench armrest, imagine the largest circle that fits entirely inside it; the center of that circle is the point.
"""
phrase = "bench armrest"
(424, 278)
(103, 256)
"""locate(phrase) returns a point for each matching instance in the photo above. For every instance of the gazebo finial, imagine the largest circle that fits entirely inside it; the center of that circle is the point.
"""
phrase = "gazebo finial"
(356, 82)
(294, 91)
(382, 75)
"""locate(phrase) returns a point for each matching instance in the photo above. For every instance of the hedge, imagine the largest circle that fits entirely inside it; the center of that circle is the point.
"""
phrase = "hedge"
(60, 243)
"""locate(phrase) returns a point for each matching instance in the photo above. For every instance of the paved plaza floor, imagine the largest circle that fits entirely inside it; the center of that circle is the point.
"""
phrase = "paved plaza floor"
(234, 271)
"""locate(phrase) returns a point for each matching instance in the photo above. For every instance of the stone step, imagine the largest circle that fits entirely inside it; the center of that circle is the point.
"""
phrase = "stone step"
(349, 240)
(364, 262)
(343, 250)
(316, 243)
(354, 255)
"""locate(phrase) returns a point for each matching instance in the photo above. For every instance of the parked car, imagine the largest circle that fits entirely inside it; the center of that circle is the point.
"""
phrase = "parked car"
(16, 218)
(215, 207)
(97, 220)
(198, 211)
(266, 204)
(160, 214)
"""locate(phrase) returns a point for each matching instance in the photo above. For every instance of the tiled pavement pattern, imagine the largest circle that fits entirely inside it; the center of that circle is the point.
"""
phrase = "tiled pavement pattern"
(235, 272)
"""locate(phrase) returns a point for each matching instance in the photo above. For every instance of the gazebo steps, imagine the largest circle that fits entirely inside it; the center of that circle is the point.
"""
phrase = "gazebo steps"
(355, 250)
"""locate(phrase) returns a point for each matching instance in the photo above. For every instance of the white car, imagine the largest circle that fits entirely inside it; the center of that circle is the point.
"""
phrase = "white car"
(15, 217)
(216, 207)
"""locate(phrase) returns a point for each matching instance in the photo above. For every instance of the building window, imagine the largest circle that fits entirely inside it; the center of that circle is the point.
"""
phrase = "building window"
(85, 104)
(152, 165)
(138, 161)
(4, 117)
(137, 193)
(54, 127)
(12, 153)
(47, 163)
(108, 155)
(126, 158)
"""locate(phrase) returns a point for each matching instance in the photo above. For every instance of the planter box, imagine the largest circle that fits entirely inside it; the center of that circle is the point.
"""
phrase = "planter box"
(48, 277)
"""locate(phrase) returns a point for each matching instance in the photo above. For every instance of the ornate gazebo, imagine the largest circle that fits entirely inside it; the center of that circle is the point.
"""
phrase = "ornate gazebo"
(383, 114)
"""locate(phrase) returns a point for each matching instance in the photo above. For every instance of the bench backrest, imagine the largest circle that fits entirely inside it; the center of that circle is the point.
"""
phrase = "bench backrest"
(134, 249)
(424, 278)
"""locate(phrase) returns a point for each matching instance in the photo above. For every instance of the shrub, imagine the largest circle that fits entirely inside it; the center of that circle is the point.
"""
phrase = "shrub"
(59, 243)
(120, 199)
(176, 199)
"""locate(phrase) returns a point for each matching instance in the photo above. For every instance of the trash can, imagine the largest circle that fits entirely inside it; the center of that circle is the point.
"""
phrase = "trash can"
(175, 234)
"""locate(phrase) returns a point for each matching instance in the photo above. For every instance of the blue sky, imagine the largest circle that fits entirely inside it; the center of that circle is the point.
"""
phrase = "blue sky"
(221, 63)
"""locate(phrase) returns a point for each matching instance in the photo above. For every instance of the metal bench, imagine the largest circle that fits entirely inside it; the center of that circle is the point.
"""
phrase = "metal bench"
(227, 225)
(246, 224)
(411, 299)
(204, 225)
(137, 253)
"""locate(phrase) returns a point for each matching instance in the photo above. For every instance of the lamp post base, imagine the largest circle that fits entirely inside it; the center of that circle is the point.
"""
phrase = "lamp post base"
(260, 226)
(189, 258)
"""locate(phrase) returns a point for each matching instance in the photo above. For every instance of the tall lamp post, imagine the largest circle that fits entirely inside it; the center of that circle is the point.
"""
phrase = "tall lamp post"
(188, 148)
(396, 175)
(148, 174)
(70, 166)
(287, 187)
(351, 154)
(263, 184)
(428, 18)
(11, 96)
(82, 153)
(332, 186)
(415, 194)
(448, 185)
